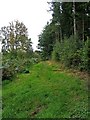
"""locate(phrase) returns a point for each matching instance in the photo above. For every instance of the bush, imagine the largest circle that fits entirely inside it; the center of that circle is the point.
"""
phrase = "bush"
(8, 70)
(84, 57)
(56, 52)
(69, 54)
(16, 63)
(12, 66)
(7, 73)
(72, 53)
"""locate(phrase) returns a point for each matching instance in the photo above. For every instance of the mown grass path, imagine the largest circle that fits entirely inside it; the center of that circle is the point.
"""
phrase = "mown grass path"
(45, 92)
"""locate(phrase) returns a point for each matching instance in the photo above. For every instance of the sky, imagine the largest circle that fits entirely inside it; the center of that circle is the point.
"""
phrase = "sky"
(33, 13)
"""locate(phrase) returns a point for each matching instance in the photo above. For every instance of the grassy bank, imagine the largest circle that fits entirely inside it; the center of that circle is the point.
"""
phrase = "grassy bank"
(45, 92)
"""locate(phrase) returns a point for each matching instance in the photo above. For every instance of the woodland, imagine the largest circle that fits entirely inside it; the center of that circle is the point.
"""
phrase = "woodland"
(52, 81)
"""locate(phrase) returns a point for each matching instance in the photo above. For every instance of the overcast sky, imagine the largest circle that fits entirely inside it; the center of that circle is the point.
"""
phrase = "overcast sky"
(33, 13)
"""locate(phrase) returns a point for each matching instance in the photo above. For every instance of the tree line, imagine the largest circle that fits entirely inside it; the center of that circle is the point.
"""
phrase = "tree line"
(67, 37)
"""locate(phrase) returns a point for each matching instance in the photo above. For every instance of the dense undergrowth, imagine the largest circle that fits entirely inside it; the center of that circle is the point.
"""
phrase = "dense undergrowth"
(72, 53)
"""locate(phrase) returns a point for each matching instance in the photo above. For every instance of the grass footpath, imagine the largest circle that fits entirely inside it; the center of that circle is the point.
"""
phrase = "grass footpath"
(45, 92)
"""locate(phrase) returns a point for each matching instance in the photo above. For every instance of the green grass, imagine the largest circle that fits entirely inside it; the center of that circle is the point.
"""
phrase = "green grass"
(45, 93)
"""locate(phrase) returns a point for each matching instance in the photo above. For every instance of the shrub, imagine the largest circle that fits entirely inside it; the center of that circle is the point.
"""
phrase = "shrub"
(68, 52)
(56, 52)
(12, 66)
(8, 70)
(84, 57)
(73, 53)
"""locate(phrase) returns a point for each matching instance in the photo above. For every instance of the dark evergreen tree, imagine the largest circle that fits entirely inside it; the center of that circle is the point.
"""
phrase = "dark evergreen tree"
(46, 41)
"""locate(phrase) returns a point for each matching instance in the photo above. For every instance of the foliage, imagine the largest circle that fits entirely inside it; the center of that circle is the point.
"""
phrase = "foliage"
(84, 56)
(64, 50)
(37, 56)
(69, 26)
(65, 13)
(69, 51)
(72, 53)
(14, 37)
(46, 41)
(56, 51)
(18, 62)
(16, 49)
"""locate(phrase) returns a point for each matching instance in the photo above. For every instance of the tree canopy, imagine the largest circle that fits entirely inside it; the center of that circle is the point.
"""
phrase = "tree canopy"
(15, 37)
(69, 30)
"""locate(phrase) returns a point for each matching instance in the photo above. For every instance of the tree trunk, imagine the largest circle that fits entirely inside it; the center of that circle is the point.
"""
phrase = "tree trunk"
(60, 34)
(83, 28)
(74, 19)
